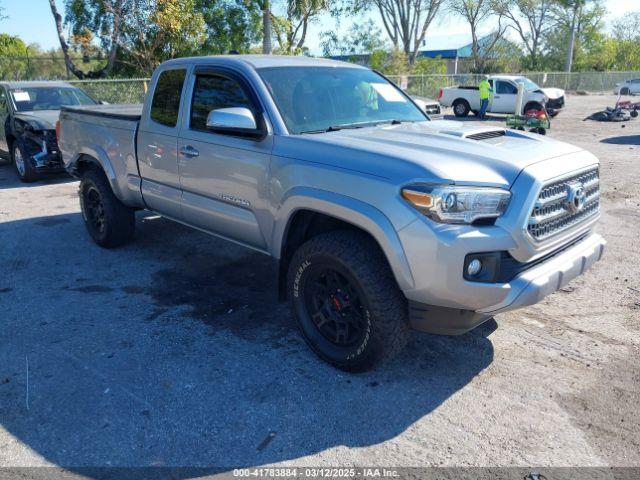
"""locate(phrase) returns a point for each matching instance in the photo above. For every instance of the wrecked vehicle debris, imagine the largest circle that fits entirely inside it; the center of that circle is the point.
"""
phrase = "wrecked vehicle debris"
(29, 111)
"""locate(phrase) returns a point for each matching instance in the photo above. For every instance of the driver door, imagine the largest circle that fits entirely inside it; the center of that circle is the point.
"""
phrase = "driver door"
(504, 97)
(223, 176)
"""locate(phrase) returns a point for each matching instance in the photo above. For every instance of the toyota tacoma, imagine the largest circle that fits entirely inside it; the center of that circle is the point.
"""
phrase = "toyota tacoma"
(381, 219)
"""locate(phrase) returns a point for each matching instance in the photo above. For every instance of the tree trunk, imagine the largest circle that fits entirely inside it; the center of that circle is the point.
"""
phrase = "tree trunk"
(71, 67)
(266, 28)
(572, 38)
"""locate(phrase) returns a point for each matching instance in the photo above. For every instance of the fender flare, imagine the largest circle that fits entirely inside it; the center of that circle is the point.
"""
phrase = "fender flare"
(98, 156)
(349, 210)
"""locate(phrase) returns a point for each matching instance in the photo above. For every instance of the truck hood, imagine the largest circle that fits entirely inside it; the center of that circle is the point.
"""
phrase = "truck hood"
(444, 151)
(41, 119)
(552, 93)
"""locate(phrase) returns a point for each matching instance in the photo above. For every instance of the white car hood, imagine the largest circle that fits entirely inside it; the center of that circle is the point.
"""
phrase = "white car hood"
(553, 93)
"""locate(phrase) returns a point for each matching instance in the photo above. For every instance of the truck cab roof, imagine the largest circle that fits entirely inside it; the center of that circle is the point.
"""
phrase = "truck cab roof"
(262, 61)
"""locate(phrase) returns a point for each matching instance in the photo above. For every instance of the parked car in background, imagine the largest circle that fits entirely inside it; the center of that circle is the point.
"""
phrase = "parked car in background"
(381, 220)
(28, 113)
(465, 99)
(430, 107)
(628, 87)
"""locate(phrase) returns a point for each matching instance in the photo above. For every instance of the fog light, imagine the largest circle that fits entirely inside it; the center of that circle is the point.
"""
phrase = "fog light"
(474, 267)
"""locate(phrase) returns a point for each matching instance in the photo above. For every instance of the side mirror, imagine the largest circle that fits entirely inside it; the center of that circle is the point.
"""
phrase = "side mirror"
(234, 121)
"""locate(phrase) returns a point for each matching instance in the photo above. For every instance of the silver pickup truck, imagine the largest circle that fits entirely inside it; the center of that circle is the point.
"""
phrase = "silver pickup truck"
(381, 219)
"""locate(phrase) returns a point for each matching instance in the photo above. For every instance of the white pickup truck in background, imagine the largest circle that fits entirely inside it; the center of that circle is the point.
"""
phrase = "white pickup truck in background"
(465, 99)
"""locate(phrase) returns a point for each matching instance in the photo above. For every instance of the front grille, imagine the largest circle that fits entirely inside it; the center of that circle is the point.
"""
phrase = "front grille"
(433, 109)
(555, 103)
(554, 211)
(486, 135)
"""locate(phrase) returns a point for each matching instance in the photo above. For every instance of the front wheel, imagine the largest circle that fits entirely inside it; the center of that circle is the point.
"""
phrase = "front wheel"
(346, 301)
(25, 170)
(109, 222)
(624, 91)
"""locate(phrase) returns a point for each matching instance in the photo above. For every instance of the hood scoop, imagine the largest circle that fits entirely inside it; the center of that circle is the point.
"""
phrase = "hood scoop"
(486, 135)
(482, 133)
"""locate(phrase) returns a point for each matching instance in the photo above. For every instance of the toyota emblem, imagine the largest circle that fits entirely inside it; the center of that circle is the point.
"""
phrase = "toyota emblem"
(576, 197)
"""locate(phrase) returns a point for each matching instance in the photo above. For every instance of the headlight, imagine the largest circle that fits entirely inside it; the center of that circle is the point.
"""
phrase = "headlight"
(453, 204)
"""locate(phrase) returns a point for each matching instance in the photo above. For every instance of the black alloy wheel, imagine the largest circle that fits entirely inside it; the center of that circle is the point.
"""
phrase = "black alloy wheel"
(334, 304)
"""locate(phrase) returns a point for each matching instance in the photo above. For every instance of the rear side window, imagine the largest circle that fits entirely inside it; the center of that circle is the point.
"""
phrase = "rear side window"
(166, 98)
(212, 92)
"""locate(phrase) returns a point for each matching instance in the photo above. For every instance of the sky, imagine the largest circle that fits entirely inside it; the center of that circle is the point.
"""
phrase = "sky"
(32, 21)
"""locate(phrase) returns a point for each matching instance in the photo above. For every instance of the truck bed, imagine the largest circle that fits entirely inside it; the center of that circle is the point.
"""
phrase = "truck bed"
(118, 111)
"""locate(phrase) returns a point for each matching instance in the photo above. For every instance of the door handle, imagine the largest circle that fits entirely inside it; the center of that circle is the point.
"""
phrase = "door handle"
(496, 96)
(189, 152)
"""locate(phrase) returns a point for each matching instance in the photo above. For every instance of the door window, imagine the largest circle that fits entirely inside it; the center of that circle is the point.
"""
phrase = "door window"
(506, 88)
(3, 102)
(212, 92)
(166, 98)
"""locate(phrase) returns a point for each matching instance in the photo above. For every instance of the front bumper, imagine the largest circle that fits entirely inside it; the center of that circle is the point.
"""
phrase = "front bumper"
(437, 253)
(533, 285)
(526, 289)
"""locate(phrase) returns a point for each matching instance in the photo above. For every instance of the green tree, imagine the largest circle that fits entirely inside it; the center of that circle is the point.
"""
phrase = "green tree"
(103, 18)
(157, 30)
(406, 22)
(626, 41)
(231, 25)
(531, 20)
(577, 34)
(361, 38)
(13, 57)
(476, 13)
(291, 28)
(579, 21)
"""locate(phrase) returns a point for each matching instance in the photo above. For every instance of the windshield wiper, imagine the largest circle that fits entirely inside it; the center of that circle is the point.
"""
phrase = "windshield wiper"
(336, 128)
(345, 126)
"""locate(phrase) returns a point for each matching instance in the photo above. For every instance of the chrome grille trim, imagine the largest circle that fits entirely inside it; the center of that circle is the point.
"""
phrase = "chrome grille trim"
(551, 215)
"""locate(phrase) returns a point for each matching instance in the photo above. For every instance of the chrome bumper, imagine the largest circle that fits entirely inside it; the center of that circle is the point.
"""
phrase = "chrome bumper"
(533, 285)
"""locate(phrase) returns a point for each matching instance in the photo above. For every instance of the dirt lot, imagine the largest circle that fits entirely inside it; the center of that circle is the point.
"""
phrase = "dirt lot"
(174, 351)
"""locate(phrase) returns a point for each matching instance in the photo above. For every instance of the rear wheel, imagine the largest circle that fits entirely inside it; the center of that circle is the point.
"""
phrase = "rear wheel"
(346, 301)
(461, 108)
(109, 222)
(25, 170)
(634, 113)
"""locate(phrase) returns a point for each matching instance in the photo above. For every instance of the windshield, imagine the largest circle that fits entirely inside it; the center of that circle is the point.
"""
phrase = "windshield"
(528, 84)
(48, 98)
(320, 99)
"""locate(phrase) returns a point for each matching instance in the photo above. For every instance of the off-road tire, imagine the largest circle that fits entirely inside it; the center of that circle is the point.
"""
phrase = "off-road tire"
(461, 107)
(359, 258)
(118, 220)
(21, 164)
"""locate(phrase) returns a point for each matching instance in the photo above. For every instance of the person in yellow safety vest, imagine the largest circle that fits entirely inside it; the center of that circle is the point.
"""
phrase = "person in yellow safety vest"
(485, 93)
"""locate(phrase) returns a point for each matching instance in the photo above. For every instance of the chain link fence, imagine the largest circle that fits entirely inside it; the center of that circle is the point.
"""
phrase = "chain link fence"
(130, 90)
(592, 82)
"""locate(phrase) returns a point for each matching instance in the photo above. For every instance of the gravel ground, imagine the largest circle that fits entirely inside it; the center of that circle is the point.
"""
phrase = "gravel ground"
(174, 351)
